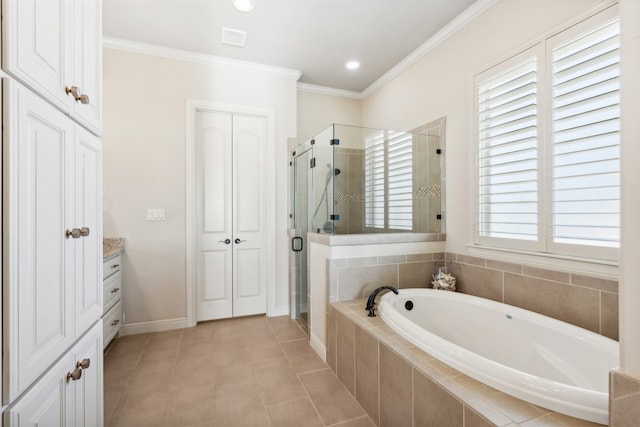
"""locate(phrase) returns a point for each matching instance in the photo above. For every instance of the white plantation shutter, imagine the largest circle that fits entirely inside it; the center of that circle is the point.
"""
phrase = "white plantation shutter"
(548, 151)
(508, 152)
(388, 181)
(586, 138)
(374, 171)
(399, 181)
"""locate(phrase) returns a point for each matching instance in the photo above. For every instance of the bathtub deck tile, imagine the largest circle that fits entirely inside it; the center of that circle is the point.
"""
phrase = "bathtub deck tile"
(573, 422)
(516, 409)
(484, 403)
(543, 421)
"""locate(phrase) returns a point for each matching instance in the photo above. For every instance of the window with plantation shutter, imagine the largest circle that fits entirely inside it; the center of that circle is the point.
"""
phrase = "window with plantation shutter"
(508, 152)
(586, 135)
(548, 152)
(389, 181)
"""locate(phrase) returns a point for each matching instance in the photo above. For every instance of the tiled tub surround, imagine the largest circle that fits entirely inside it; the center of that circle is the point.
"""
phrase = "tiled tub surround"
(624, 404)
(352, 278)
(585, 301)
(400, 385)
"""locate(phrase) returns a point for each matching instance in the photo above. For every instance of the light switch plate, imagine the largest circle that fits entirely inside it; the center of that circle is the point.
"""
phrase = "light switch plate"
(155, 214)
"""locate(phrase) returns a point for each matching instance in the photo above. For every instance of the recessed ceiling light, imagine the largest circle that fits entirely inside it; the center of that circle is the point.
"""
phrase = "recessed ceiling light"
(243, 5)
(352, 65)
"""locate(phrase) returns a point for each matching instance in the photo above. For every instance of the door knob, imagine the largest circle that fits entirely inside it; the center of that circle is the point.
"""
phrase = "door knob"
(75, 92)
(75, 375)
(238, 241)
(84, 231)
(76, 233)
(225, 241)
(83, 364)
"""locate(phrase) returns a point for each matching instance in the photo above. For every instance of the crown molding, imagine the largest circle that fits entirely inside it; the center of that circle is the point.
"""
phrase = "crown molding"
(195, 57)
(324, 90)
(472, 12)
(469, 14)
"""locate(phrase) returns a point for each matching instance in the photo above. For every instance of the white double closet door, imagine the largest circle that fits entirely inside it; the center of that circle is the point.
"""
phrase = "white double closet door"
(230, 215)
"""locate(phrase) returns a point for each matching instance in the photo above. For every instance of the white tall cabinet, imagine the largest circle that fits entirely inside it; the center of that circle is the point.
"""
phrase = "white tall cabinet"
(52, 213)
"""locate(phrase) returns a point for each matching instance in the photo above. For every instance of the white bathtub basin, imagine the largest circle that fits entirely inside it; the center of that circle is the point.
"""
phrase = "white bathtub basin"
(535, 358)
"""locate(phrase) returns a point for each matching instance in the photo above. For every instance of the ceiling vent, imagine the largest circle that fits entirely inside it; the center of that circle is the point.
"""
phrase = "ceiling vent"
(234, 37)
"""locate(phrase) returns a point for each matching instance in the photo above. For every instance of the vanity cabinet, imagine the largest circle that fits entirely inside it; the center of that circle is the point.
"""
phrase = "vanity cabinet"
(52, 236)
(54, 48)
(112, 291)
(70, 393)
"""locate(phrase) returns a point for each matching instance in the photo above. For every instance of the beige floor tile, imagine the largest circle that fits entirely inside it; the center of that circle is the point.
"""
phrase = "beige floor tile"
(191, 406)
(225, 327)
(235, 374)
(289, 333)
(145, 383)
(302, 356)
(294, 413)
(164, 341)
(220, 373)
(197, 334)
(112, 396)
(195, 351)
(278, 384)
(132, 405)
(330, 397)
(148, 418)
(187, 375)
(114, 377)
(237, 400)
(183, 415)
(254, 323)
(357, 422)
(280, 322)
(152, 354)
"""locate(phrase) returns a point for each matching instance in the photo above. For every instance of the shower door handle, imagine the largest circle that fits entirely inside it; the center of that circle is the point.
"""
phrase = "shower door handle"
(294, 247)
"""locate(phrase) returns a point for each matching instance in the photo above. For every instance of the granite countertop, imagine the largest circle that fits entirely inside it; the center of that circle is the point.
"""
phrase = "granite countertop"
(112, 246)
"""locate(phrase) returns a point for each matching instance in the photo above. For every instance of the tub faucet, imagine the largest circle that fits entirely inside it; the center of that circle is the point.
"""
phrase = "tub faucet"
(371, 302)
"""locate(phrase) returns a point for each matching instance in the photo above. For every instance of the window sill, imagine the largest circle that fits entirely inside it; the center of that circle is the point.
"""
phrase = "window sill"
(591, 266)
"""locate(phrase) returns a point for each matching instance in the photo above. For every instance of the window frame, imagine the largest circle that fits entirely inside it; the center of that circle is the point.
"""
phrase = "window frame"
(542, 48)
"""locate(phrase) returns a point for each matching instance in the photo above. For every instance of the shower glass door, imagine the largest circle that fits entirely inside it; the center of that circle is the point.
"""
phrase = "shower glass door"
(302, 186)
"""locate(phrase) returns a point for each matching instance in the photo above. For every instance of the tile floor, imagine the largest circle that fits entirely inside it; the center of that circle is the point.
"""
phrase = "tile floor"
(253, 371)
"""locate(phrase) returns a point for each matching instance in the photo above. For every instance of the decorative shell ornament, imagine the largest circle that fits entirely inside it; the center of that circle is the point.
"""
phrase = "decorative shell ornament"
(443, 281)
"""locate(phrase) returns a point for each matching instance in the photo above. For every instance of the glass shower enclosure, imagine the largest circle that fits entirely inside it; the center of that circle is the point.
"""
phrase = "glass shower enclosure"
(355, 180)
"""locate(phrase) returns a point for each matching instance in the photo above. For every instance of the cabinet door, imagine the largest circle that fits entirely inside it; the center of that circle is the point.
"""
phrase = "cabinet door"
(88, 215)
(49, 402)
(58, 400)
(38, 262)
(36, 45)
(87, 62)
(88, 389)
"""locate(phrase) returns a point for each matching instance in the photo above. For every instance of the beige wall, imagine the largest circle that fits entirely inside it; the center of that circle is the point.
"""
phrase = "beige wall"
(144, 167)
(316, 112)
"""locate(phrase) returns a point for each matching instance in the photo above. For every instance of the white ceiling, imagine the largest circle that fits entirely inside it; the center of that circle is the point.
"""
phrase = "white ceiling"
(315, 37)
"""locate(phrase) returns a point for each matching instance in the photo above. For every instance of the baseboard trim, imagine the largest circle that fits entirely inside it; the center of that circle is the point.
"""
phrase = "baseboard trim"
(319, 347)
(153, 326)
(283, 310)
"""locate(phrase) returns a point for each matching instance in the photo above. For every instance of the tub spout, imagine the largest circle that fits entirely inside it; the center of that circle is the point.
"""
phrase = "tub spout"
(371, 302)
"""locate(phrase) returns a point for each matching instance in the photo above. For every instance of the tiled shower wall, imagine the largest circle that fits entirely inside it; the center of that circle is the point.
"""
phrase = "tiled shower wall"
(585, 301)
